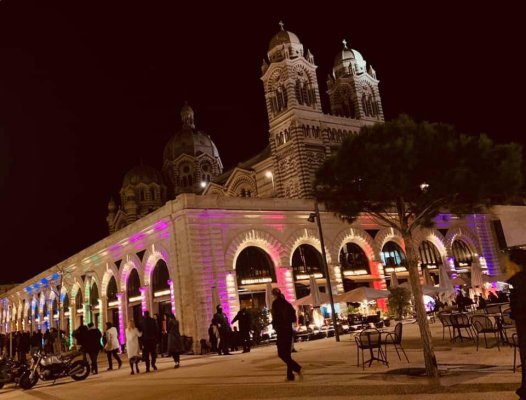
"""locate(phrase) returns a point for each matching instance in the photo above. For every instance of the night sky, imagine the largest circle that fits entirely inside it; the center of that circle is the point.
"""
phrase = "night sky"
(89, 89)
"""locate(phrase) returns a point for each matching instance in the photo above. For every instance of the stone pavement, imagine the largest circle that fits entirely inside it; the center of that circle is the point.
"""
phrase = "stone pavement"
(330, 373)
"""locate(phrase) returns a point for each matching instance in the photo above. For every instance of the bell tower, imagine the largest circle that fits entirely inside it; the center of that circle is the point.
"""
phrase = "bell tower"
(353, 88)
(293, 102)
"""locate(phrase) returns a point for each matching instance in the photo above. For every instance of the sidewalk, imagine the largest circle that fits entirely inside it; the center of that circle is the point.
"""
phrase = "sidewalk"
(330, 373)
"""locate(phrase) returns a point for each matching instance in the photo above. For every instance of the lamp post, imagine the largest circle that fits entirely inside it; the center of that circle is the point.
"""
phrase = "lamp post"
(312, 216)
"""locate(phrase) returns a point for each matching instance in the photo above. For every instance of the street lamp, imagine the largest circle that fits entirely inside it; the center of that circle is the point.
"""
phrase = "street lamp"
(316, 216)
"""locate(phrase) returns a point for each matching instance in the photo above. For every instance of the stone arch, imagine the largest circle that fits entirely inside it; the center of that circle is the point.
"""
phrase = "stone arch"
(77, 285)
(304, 236)
(130, 261)
(433, 236)
(242, 182)
(359, 237)
(89, 283)
(111, 270)
(257, 238)
(385, 235)
(466, 236)
(155, 253)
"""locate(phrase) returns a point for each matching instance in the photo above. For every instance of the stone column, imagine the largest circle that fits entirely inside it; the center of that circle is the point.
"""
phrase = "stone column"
(121, 297)
(285, 279)
(103, 312)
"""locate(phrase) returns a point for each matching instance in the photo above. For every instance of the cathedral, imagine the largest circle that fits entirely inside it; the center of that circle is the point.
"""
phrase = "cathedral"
(192, 235)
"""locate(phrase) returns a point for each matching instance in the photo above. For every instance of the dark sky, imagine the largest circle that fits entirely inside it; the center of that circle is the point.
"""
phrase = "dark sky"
(88, 89)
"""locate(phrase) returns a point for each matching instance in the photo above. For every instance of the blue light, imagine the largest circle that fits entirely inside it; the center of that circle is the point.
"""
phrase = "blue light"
(55, 276)
(44, 281)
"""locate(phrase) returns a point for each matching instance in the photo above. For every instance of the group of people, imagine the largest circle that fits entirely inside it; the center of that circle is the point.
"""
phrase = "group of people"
(141, 343)
(223, 338)
(22, 343)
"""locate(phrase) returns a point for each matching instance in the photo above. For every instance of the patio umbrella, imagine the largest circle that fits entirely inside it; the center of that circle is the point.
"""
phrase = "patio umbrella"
(268, 295)
(362, 294)
(445, 284)
(215, 299)
(476, 275)
(426, 289)
(309, 300)
(394, 280)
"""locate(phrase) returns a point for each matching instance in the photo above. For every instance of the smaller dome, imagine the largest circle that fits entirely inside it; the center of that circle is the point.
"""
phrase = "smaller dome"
(142, 174)
(283, 37)
(348, 61)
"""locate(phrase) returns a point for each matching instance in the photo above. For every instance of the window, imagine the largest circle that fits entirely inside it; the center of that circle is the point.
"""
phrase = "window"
(306, 260)
(462, 254)
(393, 257)
(429, 255)
(353, 260)
(253, 265)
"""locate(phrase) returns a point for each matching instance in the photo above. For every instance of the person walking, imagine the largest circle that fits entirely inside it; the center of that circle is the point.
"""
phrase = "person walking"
(132, 346)
(283, 316)
(244, 323)
(518, 308)
(150, 333)
(112, 345)
(213, 336)
(223, 326)
(175, 341)
(92, 346)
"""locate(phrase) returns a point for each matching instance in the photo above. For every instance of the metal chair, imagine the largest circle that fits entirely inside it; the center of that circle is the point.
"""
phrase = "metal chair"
(395, 338)
(445, 320)
(370, 339)
(461, 321)
(482, 324)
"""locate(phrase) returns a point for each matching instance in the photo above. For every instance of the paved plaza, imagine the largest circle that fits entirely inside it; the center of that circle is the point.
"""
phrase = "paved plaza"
(330, 373)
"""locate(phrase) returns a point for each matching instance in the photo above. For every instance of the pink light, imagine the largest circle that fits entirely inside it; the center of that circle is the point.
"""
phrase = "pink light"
(172, 295)
(137, 237)
(122, 337)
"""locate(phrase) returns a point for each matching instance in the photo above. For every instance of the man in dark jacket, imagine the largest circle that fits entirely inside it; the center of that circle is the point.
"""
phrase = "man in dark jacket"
(518, 308)
(150, 334)
(221, 321)
(283, 316)
(244, 322)
(81, 334)
(92, 345)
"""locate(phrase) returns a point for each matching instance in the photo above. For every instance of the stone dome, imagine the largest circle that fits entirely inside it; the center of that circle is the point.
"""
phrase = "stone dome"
(348, 60)
(190, 142)
(142, 174)
(283, 37)
(284, 44)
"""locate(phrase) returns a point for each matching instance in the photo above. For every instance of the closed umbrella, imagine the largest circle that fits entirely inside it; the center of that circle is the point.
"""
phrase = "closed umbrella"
(268, 295)
(215, 298)
(315, 292)
(394, 280)
(445, 284)
(476, 275)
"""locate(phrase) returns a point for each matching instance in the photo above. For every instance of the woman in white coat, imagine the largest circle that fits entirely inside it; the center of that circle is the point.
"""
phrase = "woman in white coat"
(132, 345)
(112, 345)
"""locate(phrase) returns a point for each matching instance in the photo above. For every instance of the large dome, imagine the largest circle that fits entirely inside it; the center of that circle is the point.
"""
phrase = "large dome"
(191, 142)
(142, 174)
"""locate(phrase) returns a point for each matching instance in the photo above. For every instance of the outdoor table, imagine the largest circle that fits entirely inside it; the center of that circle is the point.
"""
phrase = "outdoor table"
(361, 344)
(460, 321)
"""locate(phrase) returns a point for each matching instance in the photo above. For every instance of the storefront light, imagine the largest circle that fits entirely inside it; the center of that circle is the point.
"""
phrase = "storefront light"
(162, 293)
(255, 281)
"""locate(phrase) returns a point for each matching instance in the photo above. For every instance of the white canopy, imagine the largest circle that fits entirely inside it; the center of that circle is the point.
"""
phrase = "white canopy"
(426, 289)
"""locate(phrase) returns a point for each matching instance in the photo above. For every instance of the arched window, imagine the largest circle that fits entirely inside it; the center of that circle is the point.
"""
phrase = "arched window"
(112, 291)
(353, 260)
(429, 255)
(94, 295)
(160, 277)
(462, 254)
(79, 301)
(65, 303)
(364, 105)
(306, 261)
(142, 195)
(133, 285)
(393, 257)
(152, 193)
(254, 265)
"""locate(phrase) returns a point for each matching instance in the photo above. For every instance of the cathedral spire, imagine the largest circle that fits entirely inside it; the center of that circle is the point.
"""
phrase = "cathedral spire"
(187, 116)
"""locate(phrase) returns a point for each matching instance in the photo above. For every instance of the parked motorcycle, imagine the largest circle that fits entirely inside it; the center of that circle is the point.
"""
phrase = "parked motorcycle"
(52, 367)
(11, 370)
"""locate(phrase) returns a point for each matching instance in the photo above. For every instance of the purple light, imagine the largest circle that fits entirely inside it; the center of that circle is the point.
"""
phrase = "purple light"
(160, 225)
(137, 237)
(122, 337)
(172, 295)
(144, 305)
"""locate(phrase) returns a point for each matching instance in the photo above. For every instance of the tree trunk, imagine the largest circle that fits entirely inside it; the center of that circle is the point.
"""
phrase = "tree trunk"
(421, 315)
